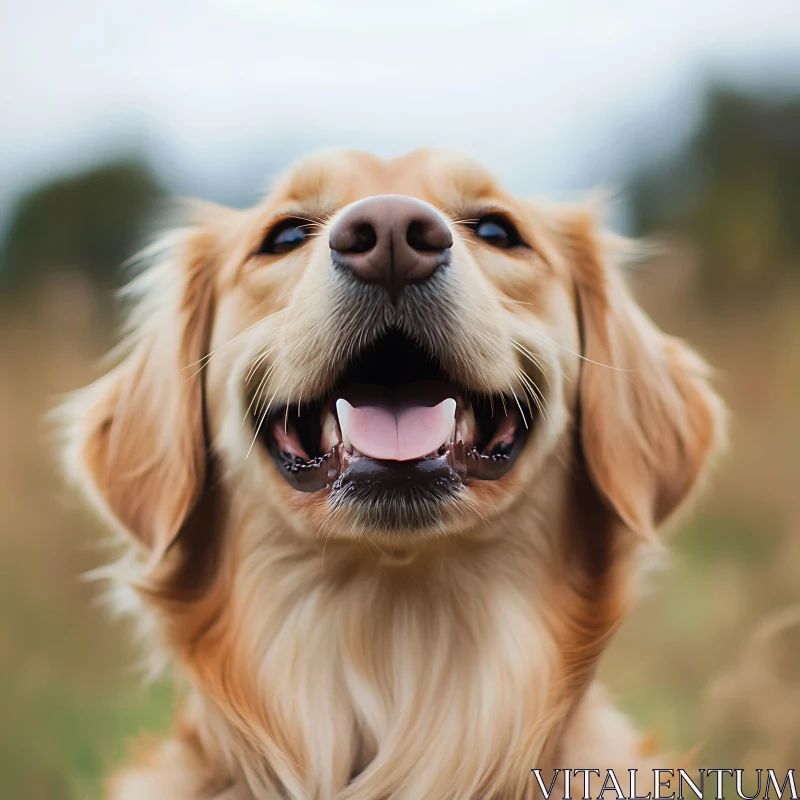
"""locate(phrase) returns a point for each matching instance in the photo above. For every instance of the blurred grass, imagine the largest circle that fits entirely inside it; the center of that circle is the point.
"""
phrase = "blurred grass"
(71, 697)
(70, 692)
(733, 560)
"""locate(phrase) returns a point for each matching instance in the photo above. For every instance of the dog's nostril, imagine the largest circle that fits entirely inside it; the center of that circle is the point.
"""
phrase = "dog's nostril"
(365, 238)
(429, 235)
(420, 237)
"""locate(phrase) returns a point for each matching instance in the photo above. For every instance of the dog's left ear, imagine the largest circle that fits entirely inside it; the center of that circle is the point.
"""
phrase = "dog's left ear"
(649, 419)
(136, 438)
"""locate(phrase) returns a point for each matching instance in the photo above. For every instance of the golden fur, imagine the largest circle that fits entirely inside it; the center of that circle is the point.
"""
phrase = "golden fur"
(323, 660)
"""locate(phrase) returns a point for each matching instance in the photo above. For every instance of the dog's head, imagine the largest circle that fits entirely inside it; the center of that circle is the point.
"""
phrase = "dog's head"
(391, 349)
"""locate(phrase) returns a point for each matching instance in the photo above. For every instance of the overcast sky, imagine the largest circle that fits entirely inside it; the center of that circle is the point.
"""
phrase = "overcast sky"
(550, 94)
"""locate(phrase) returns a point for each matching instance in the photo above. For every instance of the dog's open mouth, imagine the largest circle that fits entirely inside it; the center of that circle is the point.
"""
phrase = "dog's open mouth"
(395, 421)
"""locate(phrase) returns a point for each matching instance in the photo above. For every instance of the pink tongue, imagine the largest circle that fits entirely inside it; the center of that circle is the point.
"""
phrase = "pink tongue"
(396, 431)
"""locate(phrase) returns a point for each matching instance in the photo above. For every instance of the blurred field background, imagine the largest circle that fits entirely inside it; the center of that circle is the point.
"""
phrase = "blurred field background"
(709, 662)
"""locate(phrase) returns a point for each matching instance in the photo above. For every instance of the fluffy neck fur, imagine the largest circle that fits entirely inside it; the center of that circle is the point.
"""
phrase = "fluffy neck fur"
(360, 676)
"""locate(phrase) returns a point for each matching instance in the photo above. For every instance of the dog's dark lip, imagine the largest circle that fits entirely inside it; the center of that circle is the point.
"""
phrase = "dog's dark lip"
(448, 465)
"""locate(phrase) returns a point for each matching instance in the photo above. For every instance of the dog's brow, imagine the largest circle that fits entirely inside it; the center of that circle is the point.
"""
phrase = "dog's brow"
(313, 188)
(473, 180)
(313, 199)
(310, 209)
(469, 191)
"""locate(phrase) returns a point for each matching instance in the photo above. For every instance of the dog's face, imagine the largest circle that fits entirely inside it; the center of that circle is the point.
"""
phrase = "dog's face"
(392, 349)
(395, 348)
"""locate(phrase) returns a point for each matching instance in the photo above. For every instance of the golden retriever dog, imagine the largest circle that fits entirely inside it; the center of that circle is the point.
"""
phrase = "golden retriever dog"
(386, 450)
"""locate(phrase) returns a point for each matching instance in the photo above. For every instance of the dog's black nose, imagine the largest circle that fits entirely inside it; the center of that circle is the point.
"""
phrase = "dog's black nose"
(392, 240)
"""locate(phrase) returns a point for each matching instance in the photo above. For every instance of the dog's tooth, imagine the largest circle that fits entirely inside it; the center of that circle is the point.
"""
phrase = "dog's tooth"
(330, 431)
(466, 424)
(343, 409)
(449, 409)
(449, 412)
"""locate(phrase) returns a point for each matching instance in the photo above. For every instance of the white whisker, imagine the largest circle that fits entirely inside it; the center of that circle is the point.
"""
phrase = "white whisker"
(203, 361)
(519, 406)
(260, 423)
(564, 347)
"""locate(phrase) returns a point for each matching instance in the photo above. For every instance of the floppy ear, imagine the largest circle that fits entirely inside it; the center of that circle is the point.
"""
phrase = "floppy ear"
(136, 438)
(649, 419)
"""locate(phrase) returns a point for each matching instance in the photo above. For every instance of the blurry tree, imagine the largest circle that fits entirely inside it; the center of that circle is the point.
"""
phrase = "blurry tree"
(733, 191)
(89, 222)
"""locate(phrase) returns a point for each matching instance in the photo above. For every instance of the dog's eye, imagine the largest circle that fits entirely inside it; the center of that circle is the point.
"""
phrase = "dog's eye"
(286, 236)
(498, 231)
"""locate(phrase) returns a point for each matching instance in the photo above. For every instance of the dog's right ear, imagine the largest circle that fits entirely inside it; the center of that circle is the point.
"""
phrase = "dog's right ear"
(136, 438)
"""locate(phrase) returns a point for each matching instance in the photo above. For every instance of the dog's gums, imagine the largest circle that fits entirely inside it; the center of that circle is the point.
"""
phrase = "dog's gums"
(408, 424)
